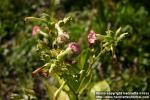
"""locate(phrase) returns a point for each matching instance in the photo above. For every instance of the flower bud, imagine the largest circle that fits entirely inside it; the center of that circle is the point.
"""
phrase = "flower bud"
(37, 71)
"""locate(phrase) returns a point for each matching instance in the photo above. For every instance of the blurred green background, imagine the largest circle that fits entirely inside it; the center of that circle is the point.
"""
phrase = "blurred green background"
(18, 57)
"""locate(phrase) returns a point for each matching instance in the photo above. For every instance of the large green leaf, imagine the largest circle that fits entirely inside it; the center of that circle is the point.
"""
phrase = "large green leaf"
(99, 86)
(51, 89)
(83, 59)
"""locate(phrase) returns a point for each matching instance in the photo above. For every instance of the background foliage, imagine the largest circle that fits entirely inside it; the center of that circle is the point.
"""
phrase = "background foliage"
(18, 58)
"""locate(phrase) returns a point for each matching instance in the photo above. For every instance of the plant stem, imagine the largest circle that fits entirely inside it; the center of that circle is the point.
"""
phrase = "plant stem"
(57, 93)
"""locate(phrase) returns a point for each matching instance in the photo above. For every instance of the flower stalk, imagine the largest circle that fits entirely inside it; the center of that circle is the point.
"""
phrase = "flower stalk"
(58, 91)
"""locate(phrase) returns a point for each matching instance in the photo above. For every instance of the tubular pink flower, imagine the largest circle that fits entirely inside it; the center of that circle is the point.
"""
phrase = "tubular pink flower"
(36, 30)
(91, 37)
(75, 48)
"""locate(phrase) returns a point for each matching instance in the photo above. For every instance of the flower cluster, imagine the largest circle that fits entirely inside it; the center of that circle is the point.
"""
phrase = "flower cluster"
(58, 49)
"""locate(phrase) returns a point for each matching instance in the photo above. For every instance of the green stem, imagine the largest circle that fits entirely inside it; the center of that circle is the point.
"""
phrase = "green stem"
(34, 19)
(57, 93)
(63, 54)
(60, 31)
(43, 33)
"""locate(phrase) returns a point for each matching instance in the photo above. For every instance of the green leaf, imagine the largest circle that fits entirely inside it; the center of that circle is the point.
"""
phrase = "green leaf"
(71, 81)
(84, 83)
(83, 59)
(51, 89)
(99, 86)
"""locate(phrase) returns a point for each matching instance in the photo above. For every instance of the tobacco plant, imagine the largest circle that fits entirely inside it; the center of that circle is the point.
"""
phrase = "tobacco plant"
(71, 63)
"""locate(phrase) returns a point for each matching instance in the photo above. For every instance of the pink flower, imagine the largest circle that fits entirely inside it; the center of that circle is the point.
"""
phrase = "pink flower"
(75, 48)
(35, 30)
(91, 37)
